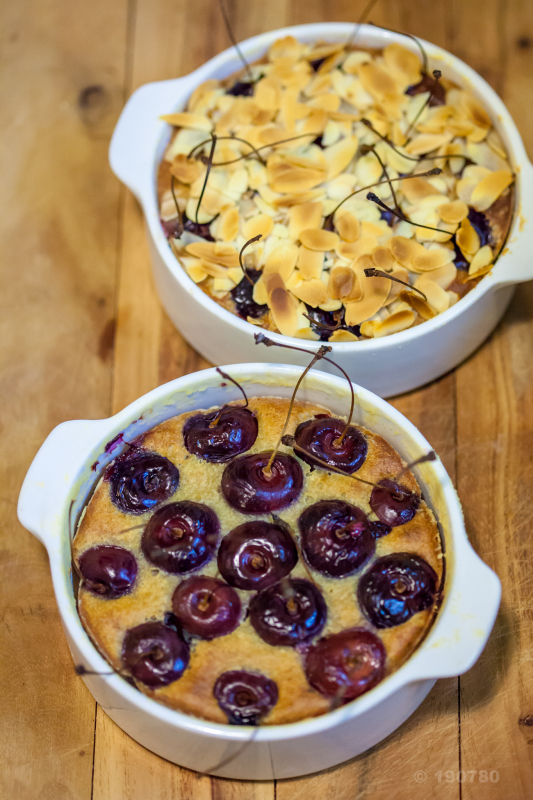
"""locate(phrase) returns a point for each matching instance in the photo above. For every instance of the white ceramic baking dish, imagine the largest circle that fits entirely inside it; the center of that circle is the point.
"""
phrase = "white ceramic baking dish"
(388, 365)
(61, 479)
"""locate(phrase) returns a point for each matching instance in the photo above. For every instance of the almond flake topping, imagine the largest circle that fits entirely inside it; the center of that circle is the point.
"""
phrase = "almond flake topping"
(316, 127)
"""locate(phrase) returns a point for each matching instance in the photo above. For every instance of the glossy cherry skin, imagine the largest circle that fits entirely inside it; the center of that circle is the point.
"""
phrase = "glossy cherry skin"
(142, 482)
(246, 697)
(336, 537)
(394, 507)
(220, 435)
(379, 529)
(155, 654)
(181, 536)
(243, 296)
(206, 607)
(345, 665)
(396, 587)
(318, 437)
(288, 613)
(108, 570)
(256, 555)
(248, 488)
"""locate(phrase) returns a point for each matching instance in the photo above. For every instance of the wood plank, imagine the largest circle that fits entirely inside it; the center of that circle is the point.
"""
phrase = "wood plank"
(61, 93)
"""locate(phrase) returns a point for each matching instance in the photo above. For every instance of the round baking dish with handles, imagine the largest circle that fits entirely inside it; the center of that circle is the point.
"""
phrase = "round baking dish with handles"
(60, 482)
(388, 365)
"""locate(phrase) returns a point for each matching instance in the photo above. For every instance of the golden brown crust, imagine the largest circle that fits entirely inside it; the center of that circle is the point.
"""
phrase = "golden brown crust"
(107, 620)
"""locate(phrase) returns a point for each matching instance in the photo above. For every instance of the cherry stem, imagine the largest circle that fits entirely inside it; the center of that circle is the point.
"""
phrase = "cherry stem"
(229, 378)
(370, 272)
(436, 74)
(375, 199)
(180, 217)
(434, 171)
(410, 35)
(366, 11)
(260, 338)
(320, 353)
(431, 456)
(243, 248)
(323, 324)
(385, 172)
(234, 41)
(286, 527)
(79, 669)
(262, 147)
(290, 441)
(208, 170)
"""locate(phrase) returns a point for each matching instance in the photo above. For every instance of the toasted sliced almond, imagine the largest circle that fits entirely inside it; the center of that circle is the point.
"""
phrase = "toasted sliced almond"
(399, 321)
(214, 270)
(382, 258)
(444, 275)
(283, 311)
(195, 270)
(260, 294)
(319, 239)
(228, 224)
(339, 155)
(490, 188)
(375, 292)
(453, 212)
(467, 238)
(436, 296)
(184, 119)
(363, 246)
(310, 262)
(267, 94)
(312, 292)
(430, 260)
(347, 225)
(406, 250)
(344, 284)
(286, 177)
(327, 102)
(287, 48)
(342, 336)
(395, 287)
(303, 217)
(377, 81)
(282, 260)
(418, 304)
(399, 59)
(186, 170)
(260, 225)
(475, 111)
(427, 142)
(416, 189)
(482, 259)
(214, 252)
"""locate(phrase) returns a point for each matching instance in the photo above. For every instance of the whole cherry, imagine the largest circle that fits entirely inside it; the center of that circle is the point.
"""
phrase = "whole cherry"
(395, 587)
(141, 482)
(322, 438)
(155, 654)
(256, 554)
(206, 607)
(250, 487)
(246, 697)
(291, 612)
(219, 436)
(181, 537)
(108, 570)
(393, 504)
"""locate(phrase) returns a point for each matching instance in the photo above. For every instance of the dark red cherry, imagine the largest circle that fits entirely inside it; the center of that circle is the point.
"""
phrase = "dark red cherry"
(379, 529)
(346, 664)
(246, 697)
(336, 537)
(396, 587)
(142, 482)
(429, 84)
(482, 226)
(289, 613)
(256, 555)
(319, 437)
(181, 536)
(206, 607)
(220, 435)
(242, 89)
(198, 228)
(250, 489)
(242, 295)
(394, 507)
(108, 570)
(155, 654)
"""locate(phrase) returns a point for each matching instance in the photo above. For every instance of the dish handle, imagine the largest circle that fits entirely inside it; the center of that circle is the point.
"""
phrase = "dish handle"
(472, 604)
(53, 471)
(133, 148)
(520, 245)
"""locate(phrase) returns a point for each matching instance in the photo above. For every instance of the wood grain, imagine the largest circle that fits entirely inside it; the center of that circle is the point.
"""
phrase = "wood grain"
(83, 334)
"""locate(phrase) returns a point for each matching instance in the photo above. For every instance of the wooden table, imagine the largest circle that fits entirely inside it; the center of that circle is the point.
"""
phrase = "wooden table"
(82, 334)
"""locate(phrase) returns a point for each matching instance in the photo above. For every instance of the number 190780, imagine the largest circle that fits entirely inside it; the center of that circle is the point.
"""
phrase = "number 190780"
(468, 776)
